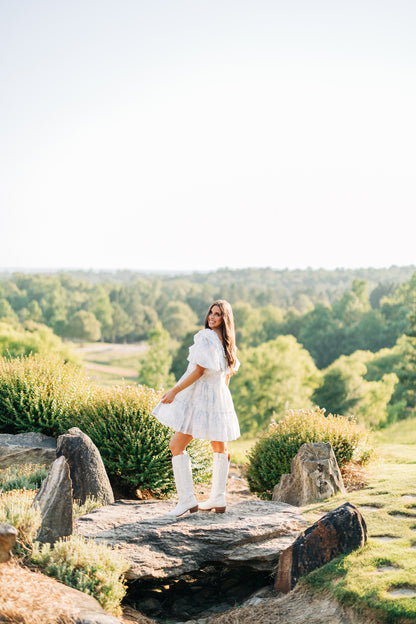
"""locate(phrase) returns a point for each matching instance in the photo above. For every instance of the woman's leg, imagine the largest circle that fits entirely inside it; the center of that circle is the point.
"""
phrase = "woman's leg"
(179, 442)
(220, 467)
(182, 471)
(219, 447)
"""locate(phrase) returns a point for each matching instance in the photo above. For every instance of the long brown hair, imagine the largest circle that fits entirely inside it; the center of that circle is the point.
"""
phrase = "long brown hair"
(227, 330)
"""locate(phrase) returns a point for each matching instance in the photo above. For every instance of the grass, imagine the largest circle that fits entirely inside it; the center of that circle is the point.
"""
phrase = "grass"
(111, 364)
(239, 450)
(366, 577)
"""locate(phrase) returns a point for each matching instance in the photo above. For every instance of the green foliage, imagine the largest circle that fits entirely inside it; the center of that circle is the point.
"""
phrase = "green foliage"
(40, 394)
(90, 504)
(48, 396)
(16, 509)
(156, 363)
(133, 444)
(178, 319)
(273, 376)
(345, 390)
(84, 326)
(92, 568)
(272, 455)
(180, 357)
(17, 340)
(24, 477)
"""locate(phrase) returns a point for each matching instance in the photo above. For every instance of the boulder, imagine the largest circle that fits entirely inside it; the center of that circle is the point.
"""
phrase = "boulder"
(314, 475)
(250, 536)
(88, 474)
(337, 532)
(26, 448)
(8, 536)
(54, 500)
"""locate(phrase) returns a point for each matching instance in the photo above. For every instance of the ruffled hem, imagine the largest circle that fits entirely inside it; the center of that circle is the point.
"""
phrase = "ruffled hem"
(203, 410)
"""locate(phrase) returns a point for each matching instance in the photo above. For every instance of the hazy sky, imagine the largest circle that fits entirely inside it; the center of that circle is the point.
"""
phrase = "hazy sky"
(192, 135)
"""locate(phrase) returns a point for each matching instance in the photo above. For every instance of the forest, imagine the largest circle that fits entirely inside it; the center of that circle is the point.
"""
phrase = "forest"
(344, 340)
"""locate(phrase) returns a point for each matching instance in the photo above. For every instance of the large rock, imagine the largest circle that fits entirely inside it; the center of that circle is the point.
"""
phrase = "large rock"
(88, 474)
(251, 535)
(314, 475)
(26, 448)
(337, 532)
(8, 536)
(54, 500)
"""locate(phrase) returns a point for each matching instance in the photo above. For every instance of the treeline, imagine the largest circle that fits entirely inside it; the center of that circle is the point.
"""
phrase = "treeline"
(340, 339)
(124, 306)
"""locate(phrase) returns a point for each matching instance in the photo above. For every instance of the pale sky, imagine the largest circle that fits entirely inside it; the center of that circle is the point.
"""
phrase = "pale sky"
(193, 135)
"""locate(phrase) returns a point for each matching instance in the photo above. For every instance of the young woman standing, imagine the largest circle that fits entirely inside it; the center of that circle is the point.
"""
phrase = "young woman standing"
(200, 406)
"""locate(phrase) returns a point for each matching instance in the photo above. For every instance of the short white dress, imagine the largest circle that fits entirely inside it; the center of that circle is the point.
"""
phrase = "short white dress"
(205, 409)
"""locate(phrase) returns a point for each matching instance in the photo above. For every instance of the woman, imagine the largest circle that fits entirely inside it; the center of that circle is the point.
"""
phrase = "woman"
(200, 406)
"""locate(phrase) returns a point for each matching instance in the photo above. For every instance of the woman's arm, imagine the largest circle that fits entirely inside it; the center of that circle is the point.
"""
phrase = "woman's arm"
(188, 381)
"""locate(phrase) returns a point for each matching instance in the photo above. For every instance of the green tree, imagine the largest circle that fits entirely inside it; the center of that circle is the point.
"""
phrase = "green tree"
(275, 376)
(178, 319)
(6, 311)
(122, 324)
(103, 311)
(84, 326)
(180, 357)
(407, 366)
(155, 365)
(345, 390)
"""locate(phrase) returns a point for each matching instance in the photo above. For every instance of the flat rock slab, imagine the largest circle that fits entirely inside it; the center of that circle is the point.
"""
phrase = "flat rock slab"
(26, 448)
(250, 534)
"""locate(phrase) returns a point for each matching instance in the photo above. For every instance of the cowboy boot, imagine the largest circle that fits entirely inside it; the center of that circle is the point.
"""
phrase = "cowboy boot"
(219, 480)
(182, 471)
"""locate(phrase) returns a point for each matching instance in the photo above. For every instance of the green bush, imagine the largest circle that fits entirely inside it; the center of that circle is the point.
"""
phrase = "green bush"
(16, 509)
(40, 394)
(50, 396)
(92, 568)
(25, 477)
(133, 444)
(272, 454)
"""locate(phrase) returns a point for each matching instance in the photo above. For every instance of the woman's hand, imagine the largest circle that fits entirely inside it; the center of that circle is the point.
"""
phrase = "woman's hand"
(169, 396)
(192, 377)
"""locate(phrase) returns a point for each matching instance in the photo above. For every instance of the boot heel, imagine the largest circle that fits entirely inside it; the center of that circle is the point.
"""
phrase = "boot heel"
(220, 509)
(194, 509)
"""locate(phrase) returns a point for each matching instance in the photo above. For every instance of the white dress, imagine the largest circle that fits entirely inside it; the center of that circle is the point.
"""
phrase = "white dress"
(205, 409)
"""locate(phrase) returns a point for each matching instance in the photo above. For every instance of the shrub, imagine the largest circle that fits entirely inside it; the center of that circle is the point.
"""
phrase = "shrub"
(40, 394)
(16, 509)
(133, 444)
(25, 477)
(50, 396)
(272, 454)
(92, 568)
(80, 509)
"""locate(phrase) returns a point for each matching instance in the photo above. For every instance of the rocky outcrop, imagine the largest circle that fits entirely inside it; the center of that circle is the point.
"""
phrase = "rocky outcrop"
(314, 475)
(8, 536)
(250, 535)
(26, 448)
(339, 531)
(54, 500)
(88, 474)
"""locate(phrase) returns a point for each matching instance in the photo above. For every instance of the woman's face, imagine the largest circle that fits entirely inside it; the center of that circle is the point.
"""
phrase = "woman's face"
(215, 319)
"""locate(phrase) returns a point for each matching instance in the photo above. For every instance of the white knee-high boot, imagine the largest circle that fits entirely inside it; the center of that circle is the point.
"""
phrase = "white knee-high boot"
(182, 471)
(216, 500)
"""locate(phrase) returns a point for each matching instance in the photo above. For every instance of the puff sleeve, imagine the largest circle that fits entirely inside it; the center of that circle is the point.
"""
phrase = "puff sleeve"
(207, 351)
